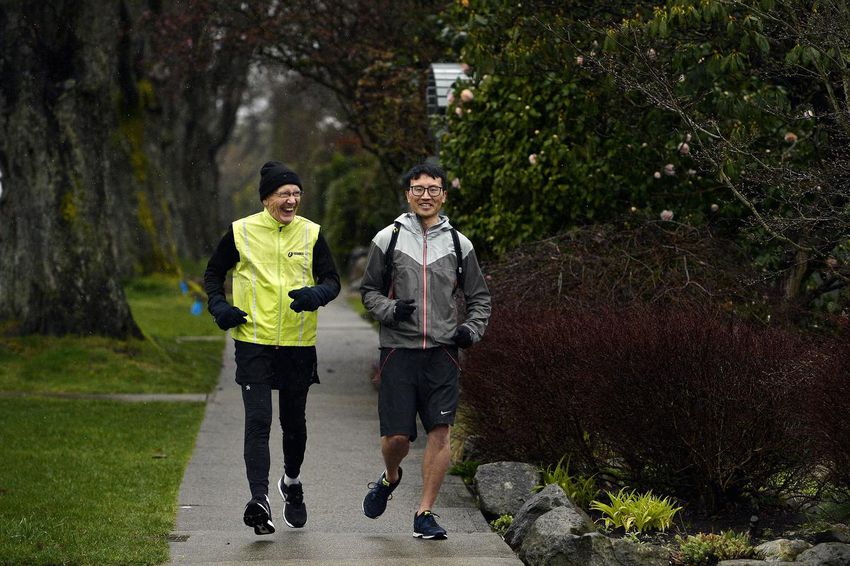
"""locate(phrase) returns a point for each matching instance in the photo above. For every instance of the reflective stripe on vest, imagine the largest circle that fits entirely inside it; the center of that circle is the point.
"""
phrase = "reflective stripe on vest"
(274, 259)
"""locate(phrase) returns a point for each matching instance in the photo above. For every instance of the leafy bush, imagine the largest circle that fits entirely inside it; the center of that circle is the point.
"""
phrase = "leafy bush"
(704, 549)
(501, 525)
(636, 512)
(580, 489)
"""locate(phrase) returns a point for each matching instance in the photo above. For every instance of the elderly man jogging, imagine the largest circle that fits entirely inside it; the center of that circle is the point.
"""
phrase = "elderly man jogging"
(282, 273)
(415, 270)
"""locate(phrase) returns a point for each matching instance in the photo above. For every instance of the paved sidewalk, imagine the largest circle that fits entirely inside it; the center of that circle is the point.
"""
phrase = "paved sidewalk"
(343, 455)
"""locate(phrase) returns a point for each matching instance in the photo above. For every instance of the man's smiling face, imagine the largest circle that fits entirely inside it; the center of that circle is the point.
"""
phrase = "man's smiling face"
(426, 206)
(283, 203)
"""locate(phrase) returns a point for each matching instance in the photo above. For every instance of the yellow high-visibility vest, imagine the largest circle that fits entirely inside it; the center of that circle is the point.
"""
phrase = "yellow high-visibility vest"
(274, 259)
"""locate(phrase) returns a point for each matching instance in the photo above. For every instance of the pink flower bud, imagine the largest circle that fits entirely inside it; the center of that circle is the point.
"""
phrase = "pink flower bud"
(450, 98)
(666, 215)
(456, 183)
(459, 111)
(579, 60)
(831, 262)
(715, 207)
(684, 148)
(532, 159)
(790, 137)
(651, 53)
(466, 95)
(669, 170)
(657, 174)
(465, 68)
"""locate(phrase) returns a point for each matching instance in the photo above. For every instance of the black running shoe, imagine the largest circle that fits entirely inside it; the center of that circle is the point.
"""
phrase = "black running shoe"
(258, 514)
(425, 526)
(294, 510)
(379, 493)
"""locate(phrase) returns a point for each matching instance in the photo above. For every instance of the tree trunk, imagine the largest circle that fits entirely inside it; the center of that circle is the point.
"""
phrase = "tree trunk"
(58, 148)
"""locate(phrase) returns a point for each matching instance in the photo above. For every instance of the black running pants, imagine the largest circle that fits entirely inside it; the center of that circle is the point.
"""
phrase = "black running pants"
(257, 399)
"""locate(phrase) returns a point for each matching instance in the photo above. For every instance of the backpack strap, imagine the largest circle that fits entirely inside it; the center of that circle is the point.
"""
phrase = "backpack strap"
(459, 254)
(387, 278)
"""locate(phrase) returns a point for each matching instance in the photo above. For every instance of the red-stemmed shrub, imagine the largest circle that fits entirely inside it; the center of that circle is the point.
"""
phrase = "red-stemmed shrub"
(688, 402)
(519, 391)
(695, 403)
(827, 410)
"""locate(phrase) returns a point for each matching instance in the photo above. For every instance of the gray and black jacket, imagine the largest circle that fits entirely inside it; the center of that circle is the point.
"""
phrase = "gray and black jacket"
(424, 269)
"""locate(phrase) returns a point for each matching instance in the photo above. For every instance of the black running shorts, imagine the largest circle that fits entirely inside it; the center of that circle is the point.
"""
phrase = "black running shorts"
(417, 381)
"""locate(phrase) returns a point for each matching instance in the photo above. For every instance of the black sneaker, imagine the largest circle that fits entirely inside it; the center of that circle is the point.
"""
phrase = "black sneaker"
(379, 493)
(294, 510)
(425, 526)
(258, 514)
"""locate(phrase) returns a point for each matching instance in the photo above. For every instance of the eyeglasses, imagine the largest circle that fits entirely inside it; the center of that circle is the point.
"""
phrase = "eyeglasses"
(419, 190)
(287, 194)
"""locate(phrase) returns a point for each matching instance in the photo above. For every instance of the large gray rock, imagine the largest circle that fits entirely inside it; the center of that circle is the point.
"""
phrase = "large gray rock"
(503, 487)
(546, 544)
(782, 549)
(826, 554)
(836, 533)
(628, 553)
(547, 499)
(752, 562)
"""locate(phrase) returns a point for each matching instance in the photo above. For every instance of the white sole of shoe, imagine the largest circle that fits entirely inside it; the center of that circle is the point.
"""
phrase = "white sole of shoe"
(430, 537)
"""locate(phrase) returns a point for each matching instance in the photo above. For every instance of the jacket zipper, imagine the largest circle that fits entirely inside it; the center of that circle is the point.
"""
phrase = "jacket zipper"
(280, 288)
(424, 288)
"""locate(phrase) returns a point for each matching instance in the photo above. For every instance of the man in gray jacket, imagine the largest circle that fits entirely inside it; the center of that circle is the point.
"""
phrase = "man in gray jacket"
(416, 305)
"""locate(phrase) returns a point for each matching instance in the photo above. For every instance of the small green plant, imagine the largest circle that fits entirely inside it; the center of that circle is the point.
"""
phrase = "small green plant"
(500, 525)
(580, 489)
(636, 512)
(466, 470)
(707, 549)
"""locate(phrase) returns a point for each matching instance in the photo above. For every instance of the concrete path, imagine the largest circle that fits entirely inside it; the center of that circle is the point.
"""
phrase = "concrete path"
(343, 455)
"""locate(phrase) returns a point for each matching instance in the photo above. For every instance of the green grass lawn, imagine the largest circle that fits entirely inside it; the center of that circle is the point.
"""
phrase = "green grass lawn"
(91, 482)
(160, 364)
(96, 482)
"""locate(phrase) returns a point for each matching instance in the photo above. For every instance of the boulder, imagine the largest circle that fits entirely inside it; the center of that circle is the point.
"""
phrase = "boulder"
(782, 549)
(503, 487)
(548, 544)
(836, 533)
(550, 497)
(826, 554)
(753, 562)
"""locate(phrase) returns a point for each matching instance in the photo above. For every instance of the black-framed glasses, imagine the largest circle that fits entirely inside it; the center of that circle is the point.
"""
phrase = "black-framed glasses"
(287, 194)
(419, 190)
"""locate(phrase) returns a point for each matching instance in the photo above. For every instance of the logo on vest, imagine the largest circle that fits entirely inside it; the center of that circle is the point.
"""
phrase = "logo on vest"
(290, 254)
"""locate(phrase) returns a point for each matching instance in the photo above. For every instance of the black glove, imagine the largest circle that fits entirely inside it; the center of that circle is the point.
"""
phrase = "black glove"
(463, 337)
(227, 316)
(306, 299)
(403, 310)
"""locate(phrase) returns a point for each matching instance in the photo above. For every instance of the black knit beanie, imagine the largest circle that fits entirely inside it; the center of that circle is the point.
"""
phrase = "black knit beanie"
(275, 174)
